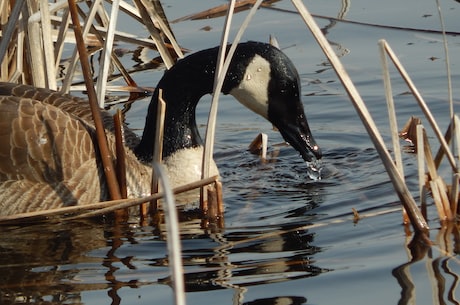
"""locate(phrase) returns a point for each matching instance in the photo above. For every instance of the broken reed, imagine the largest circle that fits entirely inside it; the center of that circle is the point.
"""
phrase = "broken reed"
(97, 208)
(445, 198)
(400, 187)
(445, 201)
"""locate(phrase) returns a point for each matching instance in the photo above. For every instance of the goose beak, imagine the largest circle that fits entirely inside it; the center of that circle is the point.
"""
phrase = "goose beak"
(297, 133)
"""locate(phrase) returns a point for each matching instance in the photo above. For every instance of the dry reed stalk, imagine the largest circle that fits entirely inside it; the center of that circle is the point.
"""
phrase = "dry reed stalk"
(421, 169)
(107, 54)
(102, 17)
(121, 37)
(456, 122)
(453, 128)
(417, 220)
(211, 212)
(126, 203)
(17, 53)
(111, 179)
(447, 62)
(436, 189)
(444, 198)
(48, 47)
(61, 38)
(120, 158)
(421, 103)
(393, 121)
(157, 151)
(214, 209)
(120, 154)
(130, 89)
(99, 207)
(219, 11)
(42, 56)
(437, 200)
(36, 47)
(454, 198)
(97, 13)
(73, 62)
(173, 237)
(454, 194)
(7, 34)
(221, 70)
(438, 186)
(274, 42)
(15, 58)
(220, 201)
(440, 154)
(259, 145)
(127, 77)
(432, 170)
(21, 58)
(4, 11)
(128, 38)
(154, 32)
(391, 111)
(156, 12)
(212, 117)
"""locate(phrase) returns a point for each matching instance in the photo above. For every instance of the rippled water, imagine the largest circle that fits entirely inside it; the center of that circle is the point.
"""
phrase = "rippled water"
(286, 238)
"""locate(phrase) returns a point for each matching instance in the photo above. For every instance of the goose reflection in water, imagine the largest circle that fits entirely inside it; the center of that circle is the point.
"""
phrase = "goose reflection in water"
(42, 263)
(285, 255)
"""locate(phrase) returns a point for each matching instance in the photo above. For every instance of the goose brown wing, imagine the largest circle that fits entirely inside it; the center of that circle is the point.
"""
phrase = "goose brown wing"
(66, 102)
(44, 153)
(75, 106)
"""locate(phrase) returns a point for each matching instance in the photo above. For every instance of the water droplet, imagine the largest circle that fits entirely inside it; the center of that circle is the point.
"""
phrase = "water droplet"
(314, 169)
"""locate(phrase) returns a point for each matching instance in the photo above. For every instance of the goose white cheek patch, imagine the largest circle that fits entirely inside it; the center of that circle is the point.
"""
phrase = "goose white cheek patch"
(252, 92)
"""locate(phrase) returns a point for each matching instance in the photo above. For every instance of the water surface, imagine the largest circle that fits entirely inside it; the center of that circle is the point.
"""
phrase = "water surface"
(285, 236)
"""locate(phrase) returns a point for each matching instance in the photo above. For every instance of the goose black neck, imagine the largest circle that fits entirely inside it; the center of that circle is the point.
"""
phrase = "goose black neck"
(182, 87)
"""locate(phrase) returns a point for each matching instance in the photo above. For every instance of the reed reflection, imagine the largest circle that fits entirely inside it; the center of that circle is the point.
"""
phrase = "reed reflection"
(442, 270)
(246, 258)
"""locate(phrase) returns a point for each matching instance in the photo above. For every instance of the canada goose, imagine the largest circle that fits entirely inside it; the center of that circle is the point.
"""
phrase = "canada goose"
(46, 138)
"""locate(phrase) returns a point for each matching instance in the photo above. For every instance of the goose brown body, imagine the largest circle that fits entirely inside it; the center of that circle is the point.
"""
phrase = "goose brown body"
(47, 152)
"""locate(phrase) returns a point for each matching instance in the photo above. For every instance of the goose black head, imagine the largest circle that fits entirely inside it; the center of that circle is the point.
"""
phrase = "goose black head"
(260, 76)
(265, 80)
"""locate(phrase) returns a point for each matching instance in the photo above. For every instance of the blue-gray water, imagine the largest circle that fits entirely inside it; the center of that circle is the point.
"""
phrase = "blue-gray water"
(285, 236)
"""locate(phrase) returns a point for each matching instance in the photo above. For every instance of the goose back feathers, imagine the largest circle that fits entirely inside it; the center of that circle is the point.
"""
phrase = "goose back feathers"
(48, 157)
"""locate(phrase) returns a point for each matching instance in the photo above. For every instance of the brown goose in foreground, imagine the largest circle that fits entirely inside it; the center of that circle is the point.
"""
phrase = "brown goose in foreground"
(47, 156)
